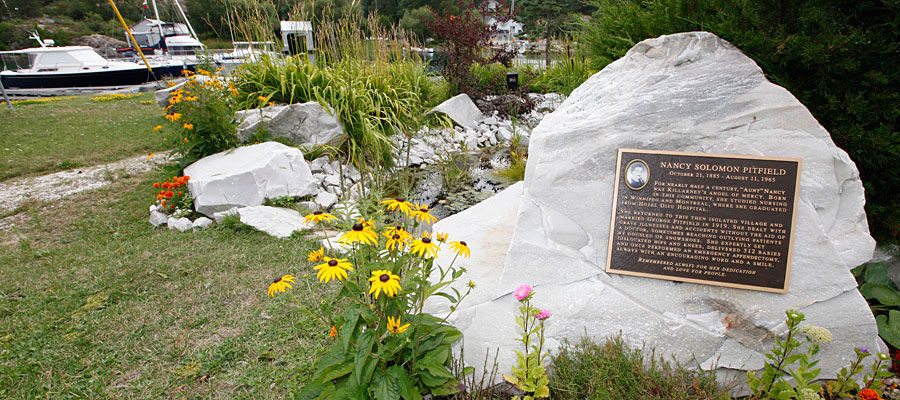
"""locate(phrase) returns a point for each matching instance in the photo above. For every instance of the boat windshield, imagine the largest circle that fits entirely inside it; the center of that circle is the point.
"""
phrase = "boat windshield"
(16, 62)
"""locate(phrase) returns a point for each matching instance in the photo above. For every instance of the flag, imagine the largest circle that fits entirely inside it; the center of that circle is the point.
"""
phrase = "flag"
(145, 4)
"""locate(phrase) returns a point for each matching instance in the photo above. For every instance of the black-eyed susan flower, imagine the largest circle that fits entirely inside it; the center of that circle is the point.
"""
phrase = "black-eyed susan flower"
(394, 326)
(461, 248)
(367, 223)
(281, 285)
(173, 117)
(317, 217)
(395, 242)
(359, 233)
(441, 237)
(390, 231)
(316, 255)
(188, 126)
(399, 203)
(158, 127)
(333, 268)
(424, 247)
(384, 281)
(421, 213)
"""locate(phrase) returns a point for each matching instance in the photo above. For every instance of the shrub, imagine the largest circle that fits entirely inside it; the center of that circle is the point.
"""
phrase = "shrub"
(200, 118)
(838, 58)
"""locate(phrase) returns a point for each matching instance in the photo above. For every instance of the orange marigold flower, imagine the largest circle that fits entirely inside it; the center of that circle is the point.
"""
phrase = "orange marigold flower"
(163, 203)
(868, 394)
(169, 194)
(187, 178)
(334, 331)
(156, 184)
(166, 185)
(179, 193)
(159, 197)
(185, 140)
(271, 103)
(262, 98)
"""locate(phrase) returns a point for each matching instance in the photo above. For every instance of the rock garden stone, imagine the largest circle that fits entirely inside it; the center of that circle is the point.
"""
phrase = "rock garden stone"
(504, 135)
(201, 223)
(461, 110)
(278, 222)
(181, 224)
(325, 199)
(690, 92)
(157, 218)
(490, 121)
(219, 217)
(246, 176)
(301, 123)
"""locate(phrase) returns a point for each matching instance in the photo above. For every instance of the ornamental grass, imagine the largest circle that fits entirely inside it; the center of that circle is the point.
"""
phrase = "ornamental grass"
(383, 344)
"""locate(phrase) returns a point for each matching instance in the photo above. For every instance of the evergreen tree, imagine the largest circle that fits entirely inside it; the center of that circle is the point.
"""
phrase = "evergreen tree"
(545, 18)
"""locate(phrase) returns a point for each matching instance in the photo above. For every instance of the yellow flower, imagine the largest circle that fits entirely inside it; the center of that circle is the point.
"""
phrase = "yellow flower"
(441, 237)
(395, 242)
(317, 217)
(334, 331)
(149, 156)
(190, 98)
(271, 103)
(360, 233)
(390, 231)
(188, 126)
(280, 284)
(424, 247)
(186, 72)
(173, 117)
(421, 214)
(461, 248)
(370, 223)
(394, 327)
(262, 98)
(219, 69)
(316, 255)
(384, 281)
(158, 127)
(185, 140)
(333, 268)
(398, 203)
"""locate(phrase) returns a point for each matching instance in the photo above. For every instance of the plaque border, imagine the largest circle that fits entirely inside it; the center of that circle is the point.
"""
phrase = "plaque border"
(615, 202)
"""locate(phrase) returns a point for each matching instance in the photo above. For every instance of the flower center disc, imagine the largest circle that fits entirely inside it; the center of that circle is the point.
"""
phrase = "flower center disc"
(317, 213)
(357, 227)
(426, 240)
(384, 277)
(395, 237)
(463, 242)
(400, 200)
(276, 280)
(332, 263)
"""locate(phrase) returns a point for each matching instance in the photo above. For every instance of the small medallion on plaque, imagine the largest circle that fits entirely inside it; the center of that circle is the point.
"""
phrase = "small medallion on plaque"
(725, 220)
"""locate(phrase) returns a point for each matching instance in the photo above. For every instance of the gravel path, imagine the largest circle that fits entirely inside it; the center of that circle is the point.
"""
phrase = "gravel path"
(66, 183)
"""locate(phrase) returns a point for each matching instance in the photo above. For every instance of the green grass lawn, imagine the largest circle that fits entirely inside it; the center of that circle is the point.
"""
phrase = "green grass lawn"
(95, 303)
(46, 137)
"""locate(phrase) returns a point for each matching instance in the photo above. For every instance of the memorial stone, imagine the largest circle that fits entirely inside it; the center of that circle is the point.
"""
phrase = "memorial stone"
(693, 93)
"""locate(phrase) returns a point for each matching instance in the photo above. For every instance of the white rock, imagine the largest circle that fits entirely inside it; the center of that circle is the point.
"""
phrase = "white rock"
(504, 135)
(315, 166)
(301, 123)
(278, 222)
(157, 218)
(325, 199)
(219, 217)
(201, 223)
(461, 110)
(333, 180)
(490, 121)
(694, 93)
(246, 176)
(182, 224)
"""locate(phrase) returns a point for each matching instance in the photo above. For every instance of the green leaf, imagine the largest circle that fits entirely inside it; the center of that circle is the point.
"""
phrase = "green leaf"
(881, 292)
(313, 391)
(386, 387)
(364, 363)
(542, 391)
(877, 273)
(407, 391)
(889, 327)
(448, 388)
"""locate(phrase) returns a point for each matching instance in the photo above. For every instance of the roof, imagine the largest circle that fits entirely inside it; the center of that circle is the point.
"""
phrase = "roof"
(38, 50)
(296, 26)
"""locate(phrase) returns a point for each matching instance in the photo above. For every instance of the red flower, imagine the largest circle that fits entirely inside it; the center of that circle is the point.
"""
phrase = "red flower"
(165, 185)
(156, 184)
(179, 193)
(169, 194)
(868, 394)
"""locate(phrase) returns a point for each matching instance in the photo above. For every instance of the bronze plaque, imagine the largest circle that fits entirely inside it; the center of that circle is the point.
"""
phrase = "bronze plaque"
(714, 219)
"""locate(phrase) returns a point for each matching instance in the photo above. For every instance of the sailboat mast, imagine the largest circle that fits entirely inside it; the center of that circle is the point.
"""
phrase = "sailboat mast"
(156, 11)
(186, 20)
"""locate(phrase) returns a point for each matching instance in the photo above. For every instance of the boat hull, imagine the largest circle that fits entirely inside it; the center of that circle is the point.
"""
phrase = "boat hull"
(118, 77)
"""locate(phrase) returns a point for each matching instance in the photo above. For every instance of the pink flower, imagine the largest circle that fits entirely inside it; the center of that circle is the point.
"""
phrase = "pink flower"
(544, 314)
(522, 292)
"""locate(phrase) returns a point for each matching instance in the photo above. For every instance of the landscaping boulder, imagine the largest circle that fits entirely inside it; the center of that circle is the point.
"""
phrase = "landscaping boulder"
(202, 223)
(181, 224)
(301, 123)
(461, 110)
(278, 222)
(689, 92)
(247, 176)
